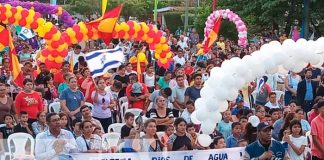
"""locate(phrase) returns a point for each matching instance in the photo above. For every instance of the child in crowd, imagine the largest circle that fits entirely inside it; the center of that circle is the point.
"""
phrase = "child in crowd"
(186, 114)
(243, 121)
(224, 126)
(218, 143)
(23, 125)
(76, 128)
(274, 112)
(268, 119)
(296, 141)
(193, 134)
(40, 125)
(168, 132)
(64, 85)
(232, 140)
(125, 130)
(40, 92)
(242, 143)
(6, 130)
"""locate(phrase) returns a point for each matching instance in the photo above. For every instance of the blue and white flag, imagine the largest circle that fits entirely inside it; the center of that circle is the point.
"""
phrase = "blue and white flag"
(99, 62)
(25, 33)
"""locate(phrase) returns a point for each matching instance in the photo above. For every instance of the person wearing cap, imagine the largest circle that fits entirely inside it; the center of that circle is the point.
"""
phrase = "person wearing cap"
(87, 115)
(317, 132)
(239, 106)
(264, 148)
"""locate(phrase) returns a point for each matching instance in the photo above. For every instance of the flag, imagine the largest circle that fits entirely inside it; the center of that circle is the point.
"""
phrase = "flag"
(104, 6)
(24, 33)
(213, 35)
(99, 62)
(15, 68)
(260, 85)
(106, 24)
(4, 40)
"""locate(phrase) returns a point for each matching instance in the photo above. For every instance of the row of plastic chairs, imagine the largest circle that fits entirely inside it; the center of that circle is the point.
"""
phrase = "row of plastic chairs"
(20, 140)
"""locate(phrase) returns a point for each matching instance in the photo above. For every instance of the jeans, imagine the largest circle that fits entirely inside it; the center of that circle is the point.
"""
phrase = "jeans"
(105, 122)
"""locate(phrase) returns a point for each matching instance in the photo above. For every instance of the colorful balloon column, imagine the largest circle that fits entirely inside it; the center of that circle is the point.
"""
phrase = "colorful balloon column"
(232, 17)
(149, 34)
(57, 43)
(45, 9)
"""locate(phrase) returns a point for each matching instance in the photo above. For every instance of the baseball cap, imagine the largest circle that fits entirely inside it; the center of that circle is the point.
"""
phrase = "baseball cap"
(263, 125)
(239, 99)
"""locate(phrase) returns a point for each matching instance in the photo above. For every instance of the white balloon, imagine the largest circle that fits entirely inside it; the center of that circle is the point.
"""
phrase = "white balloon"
(298, 67)
(200, 102)
(315, 59)
(194, 119)
(320, 44)
(215, 117)
(254, 120)
(207, 90)
(214, 71)
(222, 106)
(208, 127)
(272, 71)
(204, 140)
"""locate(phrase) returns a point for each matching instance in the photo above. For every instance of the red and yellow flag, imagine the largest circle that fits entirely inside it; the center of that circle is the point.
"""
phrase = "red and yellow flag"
(213, 35)
(106, 24)
(16, 72)
(4, 40)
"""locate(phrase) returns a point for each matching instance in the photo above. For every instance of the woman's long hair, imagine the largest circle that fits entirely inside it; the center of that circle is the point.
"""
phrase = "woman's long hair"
(250, 134)
(146, 123)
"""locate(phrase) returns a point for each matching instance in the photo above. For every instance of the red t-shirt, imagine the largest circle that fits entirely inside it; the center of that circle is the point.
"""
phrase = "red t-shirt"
(137, 104)
(31, 103)
(188, 70)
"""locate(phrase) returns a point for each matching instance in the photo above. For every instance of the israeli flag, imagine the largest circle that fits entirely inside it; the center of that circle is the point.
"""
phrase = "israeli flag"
(99, 62)
(26, 33)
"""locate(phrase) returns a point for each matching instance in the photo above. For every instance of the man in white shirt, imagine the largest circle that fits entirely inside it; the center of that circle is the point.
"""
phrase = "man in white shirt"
(179, 58)
(178, 96)
(182, 43)
(272, 103)
(75, 54)
(55, 143)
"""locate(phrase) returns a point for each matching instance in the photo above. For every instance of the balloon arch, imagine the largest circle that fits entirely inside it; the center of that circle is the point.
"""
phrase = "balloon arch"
(57, 42)
(234, 74)
(232, 17)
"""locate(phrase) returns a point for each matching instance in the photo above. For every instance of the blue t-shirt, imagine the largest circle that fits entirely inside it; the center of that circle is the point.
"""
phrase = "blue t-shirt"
(231, 141)
(193, 93)
(256, 149)
(225, 128)
(236, 110)
(73, 100)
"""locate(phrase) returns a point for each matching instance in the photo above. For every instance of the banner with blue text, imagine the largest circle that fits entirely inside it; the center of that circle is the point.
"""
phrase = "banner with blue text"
(216, 154)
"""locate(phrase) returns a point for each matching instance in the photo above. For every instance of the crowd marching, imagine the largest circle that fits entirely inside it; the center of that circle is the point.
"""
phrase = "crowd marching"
(68, 111)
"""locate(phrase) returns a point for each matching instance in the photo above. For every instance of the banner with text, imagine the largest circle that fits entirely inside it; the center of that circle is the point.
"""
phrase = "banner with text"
(215, 154)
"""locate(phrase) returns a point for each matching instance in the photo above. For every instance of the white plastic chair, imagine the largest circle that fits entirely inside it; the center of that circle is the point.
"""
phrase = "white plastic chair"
(135, 111)
(160, 134)
(116, 127)
(309, 136)
(20, 140)
(54, 107)
(279, 94)
(122, 100)
(123, 110)
(110, 140)
(90, 105)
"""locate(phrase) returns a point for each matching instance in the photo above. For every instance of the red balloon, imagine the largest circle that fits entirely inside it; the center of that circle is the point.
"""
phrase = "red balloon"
(45, 52)
(156, 39)
(152, 46)
(131, 32)
(3, 9)
(64, 53)
(34, 25)
(48, 35)
(76, 28)
(37, 15)
(79, 36)
(130, 24)
(55, 53)
(151, 34)
(163, 55)
(24, 13)
(22, 22)
(13, 10)
(90, 33)
(2, 17)
(121, 34)
(159, 34)
(140, 33)
(11, 20)
(55, 44)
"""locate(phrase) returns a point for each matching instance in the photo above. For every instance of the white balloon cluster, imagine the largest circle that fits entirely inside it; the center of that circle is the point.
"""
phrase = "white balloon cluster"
(225, 81)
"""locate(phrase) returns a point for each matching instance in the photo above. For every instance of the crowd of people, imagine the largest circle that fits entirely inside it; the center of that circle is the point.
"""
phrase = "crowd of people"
(289, 123)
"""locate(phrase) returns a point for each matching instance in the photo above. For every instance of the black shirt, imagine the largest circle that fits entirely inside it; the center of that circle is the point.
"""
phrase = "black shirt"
(18, 128)
(124, 80)
(125, 130)
(6, 131)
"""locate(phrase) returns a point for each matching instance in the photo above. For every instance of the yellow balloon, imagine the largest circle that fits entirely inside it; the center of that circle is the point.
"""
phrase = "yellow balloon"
(117, 27)
(85, 38)
(145, 28)
(163, 40)
(169, 55)
(137, 27)
(70, 32)
(62, 47)
(144, 38)
(83, 28)
(157, 56)
(74, 40)
(8, 11)
(50, 57)
(30, 18)
(48, 26)
(165, 47)
(1, 47)
(126, 36)
(149, 40)
(141, 57)
(163, 60)
(59, 59)
(158, 50)
(56, 36)
(124, 27)
(42, 58)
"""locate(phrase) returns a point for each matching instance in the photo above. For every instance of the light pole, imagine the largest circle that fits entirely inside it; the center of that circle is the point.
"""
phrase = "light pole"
(155, 10)
(305, 22)
(186, 21)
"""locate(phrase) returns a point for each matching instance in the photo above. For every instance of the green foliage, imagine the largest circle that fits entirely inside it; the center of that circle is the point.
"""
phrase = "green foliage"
(173, 20)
